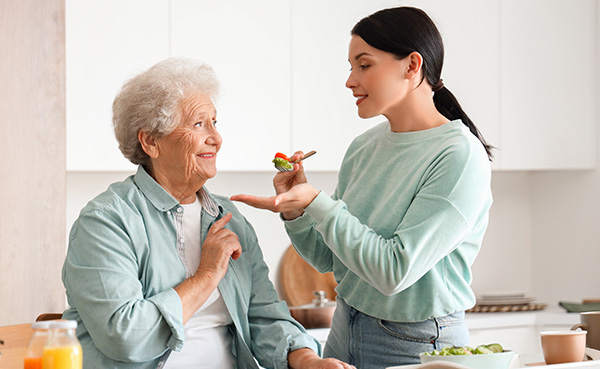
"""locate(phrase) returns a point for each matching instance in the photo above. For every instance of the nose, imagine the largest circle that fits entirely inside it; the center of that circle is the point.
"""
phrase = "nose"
(214, 138)
(351, 81)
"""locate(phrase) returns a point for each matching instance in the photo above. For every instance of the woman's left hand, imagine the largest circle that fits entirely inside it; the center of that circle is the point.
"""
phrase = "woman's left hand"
(307, 359)
(297, 198)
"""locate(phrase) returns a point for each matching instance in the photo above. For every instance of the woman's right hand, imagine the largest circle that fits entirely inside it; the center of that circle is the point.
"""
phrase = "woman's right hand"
(284, 181)
(220, 245)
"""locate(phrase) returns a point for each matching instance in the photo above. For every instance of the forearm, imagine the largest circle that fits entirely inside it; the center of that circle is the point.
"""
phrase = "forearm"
(395, 263)
(194, 292)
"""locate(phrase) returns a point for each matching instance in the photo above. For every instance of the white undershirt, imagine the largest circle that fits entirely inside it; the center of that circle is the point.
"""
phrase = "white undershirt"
(207, 337)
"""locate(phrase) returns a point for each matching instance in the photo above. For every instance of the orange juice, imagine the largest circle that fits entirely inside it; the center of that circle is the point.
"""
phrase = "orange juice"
(62, 357)
(33, 363)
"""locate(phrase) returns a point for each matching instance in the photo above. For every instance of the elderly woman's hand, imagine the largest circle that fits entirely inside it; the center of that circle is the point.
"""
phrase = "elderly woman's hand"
(220, 245)
(307, 359)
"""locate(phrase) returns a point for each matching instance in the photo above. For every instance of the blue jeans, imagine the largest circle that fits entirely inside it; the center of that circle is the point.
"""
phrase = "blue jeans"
(367, 342)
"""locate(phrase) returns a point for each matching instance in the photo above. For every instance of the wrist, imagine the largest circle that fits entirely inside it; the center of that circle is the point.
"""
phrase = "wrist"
(291, 215)
(299, 358)
(204, 277)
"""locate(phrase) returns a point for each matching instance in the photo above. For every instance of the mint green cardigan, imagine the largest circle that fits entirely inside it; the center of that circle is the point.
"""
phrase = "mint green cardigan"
(405, 223)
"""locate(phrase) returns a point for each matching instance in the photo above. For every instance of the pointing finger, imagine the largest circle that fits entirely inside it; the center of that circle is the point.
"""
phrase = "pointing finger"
(220, 224)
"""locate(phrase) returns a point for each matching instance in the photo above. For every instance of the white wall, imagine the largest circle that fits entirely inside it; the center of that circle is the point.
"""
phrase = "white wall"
(566, 224)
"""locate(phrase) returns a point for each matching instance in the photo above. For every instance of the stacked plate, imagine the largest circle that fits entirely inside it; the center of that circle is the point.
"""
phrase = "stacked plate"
(505, 302)
(503, 299)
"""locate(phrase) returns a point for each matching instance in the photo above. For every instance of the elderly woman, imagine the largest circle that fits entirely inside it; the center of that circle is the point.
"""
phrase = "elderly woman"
(160, 273)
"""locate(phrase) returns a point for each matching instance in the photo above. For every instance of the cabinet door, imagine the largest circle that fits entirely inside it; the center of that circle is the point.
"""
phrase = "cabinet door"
(324, 111)
(470, 30)
(548, 69)
(248, 45)
(106, 42)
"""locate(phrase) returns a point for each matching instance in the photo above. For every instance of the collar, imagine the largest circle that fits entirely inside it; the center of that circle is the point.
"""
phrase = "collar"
(163, 201)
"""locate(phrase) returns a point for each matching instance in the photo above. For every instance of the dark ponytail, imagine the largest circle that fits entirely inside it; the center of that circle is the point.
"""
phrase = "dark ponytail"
(403, 30)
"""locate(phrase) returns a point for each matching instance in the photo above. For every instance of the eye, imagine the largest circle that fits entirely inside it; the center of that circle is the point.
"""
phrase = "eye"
(364, 66)
(198, 125)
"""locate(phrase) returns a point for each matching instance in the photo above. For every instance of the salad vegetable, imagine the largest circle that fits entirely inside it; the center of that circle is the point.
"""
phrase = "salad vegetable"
(281, 160)
(492, 348)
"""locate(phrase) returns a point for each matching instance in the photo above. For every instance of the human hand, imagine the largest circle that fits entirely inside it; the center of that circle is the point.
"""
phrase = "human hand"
(290, 202)
(220, 245)
(307, 359)
(284, 181)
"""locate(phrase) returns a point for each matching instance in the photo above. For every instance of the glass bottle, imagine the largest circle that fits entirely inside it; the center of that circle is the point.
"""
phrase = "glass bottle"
(63, 350)
(35, 350)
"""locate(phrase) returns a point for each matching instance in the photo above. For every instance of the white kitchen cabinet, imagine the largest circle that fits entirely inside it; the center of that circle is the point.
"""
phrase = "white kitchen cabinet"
(106, 42)
(248, 45)
(324, 110)
(548, 94)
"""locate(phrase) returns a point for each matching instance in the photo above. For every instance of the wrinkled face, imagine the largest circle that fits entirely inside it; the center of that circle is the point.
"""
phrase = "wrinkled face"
(376, 78)
(187, 156)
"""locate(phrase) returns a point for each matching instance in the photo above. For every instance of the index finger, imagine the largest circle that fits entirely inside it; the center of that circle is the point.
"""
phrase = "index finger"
(297, 155)
(220, 224)
(256, 201)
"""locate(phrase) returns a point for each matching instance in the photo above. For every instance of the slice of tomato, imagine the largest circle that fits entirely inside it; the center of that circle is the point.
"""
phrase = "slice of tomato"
(283, 156)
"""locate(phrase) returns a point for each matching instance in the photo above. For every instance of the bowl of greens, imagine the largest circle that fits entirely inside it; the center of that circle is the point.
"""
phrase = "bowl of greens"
(491, 356)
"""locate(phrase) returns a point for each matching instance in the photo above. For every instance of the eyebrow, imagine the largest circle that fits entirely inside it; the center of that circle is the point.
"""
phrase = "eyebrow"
(360, 55)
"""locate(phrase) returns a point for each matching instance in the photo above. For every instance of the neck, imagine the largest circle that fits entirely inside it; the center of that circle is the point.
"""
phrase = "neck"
(183, 190)
(416, 113)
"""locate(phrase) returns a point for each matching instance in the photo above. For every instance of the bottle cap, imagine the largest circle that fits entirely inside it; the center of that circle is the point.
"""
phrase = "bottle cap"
(63, 324)
(41, 325)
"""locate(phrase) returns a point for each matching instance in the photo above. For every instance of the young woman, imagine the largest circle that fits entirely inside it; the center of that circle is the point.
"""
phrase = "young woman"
(407, 218)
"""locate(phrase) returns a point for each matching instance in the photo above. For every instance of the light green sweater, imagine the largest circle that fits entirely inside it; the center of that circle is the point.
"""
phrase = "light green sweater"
(405, 223)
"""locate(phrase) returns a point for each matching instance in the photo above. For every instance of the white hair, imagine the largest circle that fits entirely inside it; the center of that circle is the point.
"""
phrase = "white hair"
(150, 101)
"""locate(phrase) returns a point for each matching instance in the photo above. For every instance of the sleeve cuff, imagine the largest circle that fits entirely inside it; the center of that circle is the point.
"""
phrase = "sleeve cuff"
(302, 222)
(320, 207)
(290, 343)
(169, 305)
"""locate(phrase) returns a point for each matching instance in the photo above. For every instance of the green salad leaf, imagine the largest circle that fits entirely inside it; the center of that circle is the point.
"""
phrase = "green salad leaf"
(491, 348)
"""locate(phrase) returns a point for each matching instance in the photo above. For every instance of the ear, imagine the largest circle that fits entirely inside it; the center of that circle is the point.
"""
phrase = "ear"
(415, 63)
(148, 144)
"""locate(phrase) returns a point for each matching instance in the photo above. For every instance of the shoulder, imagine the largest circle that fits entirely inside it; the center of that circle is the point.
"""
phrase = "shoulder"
(119, 203)
(460, 147)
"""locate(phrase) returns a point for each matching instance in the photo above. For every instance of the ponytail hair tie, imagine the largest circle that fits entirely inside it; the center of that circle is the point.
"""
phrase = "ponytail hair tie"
(438, 86)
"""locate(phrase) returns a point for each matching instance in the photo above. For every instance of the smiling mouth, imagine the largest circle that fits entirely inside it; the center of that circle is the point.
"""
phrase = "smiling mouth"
(360, 98)
(206, 156)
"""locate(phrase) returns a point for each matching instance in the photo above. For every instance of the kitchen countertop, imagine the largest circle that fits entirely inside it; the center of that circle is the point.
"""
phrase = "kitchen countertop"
(519, 362)
(547, 317)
